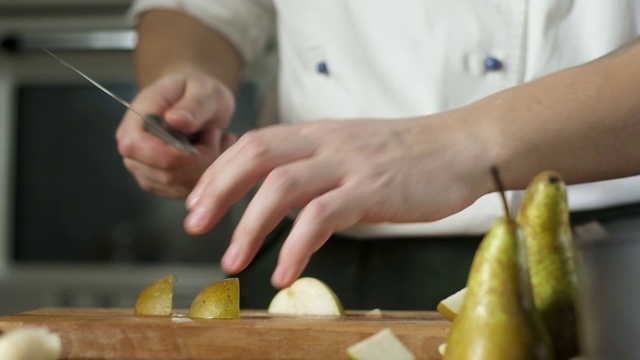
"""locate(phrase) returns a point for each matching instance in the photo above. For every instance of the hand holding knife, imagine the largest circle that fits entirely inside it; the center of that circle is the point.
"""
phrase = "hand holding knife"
(154, 124)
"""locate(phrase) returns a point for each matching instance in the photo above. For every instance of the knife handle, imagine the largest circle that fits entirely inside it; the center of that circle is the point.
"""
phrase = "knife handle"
(156, 125)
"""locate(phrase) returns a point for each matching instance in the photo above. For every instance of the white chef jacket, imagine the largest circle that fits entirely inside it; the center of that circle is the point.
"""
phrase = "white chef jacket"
(383, 58)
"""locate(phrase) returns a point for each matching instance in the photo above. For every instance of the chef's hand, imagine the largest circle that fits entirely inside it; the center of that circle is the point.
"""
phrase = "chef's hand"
(193, 104)
(337, 173)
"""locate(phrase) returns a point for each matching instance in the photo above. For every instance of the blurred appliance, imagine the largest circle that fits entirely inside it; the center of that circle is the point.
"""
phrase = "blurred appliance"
(75, 228)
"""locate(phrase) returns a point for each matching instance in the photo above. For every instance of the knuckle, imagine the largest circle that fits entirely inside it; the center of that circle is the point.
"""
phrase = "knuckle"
(147, 186)
(319, 211)
(166, 187)
(168, 179)
(254, 145)
(282, 180)
(126, 147)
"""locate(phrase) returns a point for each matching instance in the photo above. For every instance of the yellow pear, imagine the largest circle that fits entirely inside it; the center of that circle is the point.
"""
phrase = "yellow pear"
(544, 218)
(220, 300)
(157, 297)
(498, 319)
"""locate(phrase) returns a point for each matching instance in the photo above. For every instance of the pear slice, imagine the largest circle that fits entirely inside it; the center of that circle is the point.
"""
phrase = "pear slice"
(442, 349)
(157, 297)
(220, 300)
(306, 296)
(450, 306)
(382, 345)
(30, 343)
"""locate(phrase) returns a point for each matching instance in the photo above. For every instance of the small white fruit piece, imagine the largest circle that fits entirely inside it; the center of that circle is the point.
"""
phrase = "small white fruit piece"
(374, 313)
(450, 306)
(157, 297)
(442, 349)
(30, 343)
(220, 300)
(306, 296)
(382, 345)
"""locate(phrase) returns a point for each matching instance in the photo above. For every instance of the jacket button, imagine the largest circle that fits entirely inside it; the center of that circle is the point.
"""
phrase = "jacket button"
(322, 68)
(492, 64)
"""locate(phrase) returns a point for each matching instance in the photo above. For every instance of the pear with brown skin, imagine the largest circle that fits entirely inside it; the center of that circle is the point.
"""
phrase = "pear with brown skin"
(498, 319)
(544, 218)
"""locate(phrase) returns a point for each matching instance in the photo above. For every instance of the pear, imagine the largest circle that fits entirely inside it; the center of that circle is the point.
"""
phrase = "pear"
(382, 345)
(30, 343)
(498, 319)
(450, 306)
(157, 297)
(306, 296)
(220, 300)
(544, 218)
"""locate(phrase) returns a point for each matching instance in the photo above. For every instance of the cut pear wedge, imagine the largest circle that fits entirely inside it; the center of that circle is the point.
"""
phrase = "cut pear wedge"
(382, 345)
(30, 343)
(306, 296)
(450, 306)
(442, 349)
(157, 297)
(220, 300)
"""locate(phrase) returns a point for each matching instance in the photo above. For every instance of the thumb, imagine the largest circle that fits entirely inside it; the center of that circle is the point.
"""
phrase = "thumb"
(202, 104)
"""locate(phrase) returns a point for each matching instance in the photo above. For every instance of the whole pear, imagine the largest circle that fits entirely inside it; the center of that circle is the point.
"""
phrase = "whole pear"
(544, 218)
(498, 319)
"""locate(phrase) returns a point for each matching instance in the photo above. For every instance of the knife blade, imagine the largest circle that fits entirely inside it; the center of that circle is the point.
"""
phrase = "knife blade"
(154, 124)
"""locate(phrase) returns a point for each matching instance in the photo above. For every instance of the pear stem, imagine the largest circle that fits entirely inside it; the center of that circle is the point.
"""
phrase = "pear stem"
(497, 180)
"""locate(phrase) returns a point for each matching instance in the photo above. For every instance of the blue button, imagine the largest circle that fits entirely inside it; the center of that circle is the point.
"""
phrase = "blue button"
(492, 64)
(322, 68)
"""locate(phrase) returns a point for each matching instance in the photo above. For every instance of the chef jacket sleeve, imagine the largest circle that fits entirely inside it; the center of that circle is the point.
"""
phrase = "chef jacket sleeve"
(248, 24)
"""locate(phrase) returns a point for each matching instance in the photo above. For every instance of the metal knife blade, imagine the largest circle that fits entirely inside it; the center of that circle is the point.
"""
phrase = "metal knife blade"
(154, 124)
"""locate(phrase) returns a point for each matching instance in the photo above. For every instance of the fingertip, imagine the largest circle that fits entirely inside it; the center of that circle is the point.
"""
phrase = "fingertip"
(197, 221)
(230, 259)
(282, 277)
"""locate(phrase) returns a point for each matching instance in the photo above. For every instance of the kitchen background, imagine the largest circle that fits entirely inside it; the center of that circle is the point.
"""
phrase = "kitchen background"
(75, 228)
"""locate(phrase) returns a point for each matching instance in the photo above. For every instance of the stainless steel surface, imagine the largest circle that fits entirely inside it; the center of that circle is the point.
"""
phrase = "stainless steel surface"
(610, 293)
(102, 40)
(153, 123)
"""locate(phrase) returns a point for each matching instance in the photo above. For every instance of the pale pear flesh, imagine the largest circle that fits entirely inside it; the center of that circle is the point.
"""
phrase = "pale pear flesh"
(30, 343)
(383, 345)
(306, 296)
(450, 307)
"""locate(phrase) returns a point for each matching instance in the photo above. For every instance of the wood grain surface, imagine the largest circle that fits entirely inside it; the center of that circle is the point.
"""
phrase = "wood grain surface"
(119, 334)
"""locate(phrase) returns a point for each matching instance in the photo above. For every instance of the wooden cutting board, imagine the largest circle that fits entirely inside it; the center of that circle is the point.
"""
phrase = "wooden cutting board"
(119, 334)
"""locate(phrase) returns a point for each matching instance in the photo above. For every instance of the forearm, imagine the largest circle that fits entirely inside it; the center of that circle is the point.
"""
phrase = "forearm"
(187, 46)
(581, 122)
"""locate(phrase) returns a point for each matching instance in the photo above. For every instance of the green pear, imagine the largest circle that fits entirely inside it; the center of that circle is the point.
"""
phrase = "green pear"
(157, 297)
(544, 218)
(220, 300)
(498, 319)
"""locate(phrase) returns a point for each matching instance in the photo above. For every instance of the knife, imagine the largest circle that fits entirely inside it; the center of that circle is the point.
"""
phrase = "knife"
(154, 124)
